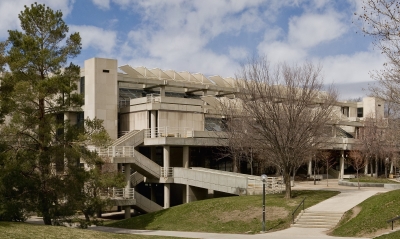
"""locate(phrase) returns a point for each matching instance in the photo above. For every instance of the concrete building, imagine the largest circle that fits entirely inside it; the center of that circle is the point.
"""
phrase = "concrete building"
(165, 127)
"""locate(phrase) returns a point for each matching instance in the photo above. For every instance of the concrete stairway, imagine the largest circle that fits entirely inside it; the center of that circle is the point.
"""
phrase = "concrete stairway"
(133, 138)
(145, 205)
(317, 219)
(136, 178)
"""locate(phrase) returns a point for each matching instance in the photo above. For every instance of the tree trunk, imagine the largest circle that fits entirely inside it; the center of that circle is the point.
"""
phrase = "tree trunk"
(288, 189)
(315, 165)
(358, 180)
(376, 167)
(371, 168)
(327, 175)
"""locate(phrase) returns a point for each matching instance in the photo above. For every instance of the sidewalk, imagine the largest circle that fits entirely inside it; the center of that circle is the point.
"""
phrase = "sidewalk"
(347, 199)
(290, 233)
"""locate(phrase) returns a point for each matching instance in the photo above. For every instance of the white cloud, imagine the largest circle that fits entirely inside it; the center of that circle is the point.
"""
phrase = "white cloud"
(351, 68)
(238, 53)
(310, 30)
(9, 10)
(94, 37)
(175, 33)
(281, 51)
(102, 4)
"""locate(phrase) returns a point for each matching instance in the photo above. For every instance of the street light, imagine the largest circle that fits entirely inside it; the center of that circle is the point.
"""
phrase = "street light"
(263, 179)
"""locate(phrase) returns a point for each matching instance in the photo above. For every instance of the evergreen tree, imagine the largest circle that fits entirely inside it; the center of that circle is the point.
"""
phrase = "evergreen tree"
(41, 149)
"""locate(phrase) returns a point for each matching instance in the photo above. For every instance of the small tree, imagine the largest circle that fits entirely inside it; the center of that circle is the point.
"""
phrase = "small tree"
(329, 161)
(286, 110)
(357, 160)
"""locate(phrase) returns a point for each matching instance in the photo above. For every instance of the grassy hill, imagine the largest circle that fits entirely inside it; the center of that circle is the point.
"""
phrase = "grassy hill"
(226, 215)
(369, 218)
(19, 230)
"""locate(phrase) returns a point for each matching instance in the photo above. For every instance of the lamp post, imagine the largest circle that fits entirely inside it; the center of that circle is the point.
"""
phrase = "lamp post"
(263, 179)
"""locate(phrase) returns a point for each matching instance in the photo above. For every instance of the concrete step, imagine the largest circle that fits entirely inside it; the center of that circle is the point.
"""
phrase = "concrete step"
(317, 219)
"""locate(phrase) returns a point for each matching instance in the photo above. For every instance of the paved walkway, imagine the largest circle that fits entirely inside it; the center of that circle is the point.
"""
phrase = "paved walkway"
(347, 199)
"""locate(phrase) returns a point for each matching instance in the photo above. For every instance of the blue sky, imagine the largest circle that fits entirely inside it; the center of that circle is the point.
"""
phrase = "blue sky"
(215, 37)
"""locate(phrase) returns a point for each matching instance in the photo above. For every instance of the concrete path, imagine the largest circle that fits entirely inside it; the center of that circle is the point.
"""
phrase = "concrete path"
(290, 233)
(347, 199)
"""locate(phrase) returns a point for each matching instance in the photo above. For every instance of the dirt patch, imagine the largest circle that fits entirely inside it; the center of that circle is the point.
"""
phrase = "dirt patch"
(356, 210)
(272, 213)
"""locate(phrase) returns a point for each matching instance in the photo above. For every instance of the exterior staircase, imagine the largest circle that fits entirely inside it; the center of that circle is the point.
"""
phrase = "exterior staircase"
(317, 219)
(136, 178)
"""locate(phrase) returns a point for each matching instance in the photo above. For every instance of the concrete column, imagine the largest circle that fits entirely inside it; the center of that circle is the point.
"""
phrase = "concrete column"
(166, 161)
(162, 91)
(153, 124)
(309, 171)
(127, 169)
(342, 165)
(185, 156)
(128, 175)
(127, 210)
(166, 156)
(167, 195)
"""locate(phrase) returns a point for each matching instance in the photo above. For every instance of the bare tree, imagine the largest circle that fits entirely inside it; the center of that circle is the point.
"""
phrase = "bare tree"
(328, 160)
(373, 143)
(380, 19)
(357, 160)
(286, 109)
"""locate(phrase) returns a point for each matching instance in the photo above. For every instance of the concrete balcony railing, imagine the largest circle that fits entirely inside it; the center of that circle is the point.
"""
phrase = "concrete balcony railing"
(119, 193)
(177, 132)
(167, 172)
(116, 151)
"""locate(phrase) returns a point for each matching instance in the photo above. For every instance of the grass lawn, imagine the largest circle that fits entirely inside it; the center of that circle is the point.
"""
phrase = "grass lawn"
(372, 180)
(19, 230)
(372, 216)
(226, 215)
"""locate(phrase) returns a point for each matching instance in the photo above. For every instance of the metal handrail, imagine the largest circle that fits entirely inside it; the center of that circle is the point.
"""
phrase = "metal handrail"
(392, 220)
(168, 131)
(167, 172)
(302, 202)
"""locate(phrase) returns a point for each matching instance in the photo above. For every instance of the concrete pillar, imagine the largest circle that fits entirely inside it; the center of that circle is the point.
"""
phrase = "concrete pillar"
(342, 165)
(153, 124)
(127, 210)
(309, 171)
(167, 195)
(127, 175)
(186, 194)
(166, 161)
(185, 156)
(162, 91)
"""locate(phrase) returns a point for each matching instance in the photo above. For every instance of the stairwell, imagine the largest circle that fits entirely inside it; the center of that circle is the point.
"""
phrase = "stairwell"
(317, 219)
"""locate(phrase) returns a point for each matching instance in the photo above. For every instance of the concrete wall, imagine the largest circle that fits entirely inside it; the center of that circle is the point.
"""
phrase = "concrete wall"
(101, 96)
(373, 107)
(181, 119)
(134, 121)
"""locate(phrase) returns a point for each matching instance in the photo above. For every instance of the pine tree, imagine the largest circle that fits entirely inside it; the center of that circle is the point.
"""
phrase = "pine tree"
(40, 164)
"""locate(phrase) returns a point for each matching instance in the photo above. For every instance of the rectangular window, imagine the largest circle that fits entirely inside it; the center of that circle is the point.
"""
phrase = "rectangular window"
(360, 112)
(345, 111)
(80, 118)
(82, 85)
(106, 71)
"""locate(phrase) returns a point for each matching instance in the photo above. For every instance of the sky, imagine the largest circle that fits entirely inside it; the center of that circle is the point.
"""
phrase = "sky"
(215, 37)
